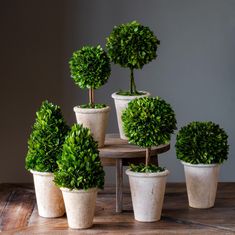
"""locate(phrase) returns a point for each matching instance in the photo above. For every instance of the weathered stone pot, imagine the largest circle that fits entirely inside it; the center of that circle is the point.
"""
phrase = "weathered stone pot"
(201, 183)
(121, 103)
(147, 193)
(94, 119)
(49, 197)
(80, 207)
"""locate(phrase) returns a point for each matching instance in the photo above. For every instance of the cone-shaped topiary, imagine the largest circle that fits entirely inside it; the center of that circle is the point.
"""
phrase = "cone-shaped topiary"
(90, 68)
(202, 143)
(46, 140)
(148, 122)
(132, 45)
(80, 166)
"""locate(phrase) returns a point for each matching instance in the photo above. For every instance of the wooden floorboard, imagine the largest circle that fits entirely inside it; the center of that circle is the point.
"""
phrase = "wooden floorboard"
(19, 214)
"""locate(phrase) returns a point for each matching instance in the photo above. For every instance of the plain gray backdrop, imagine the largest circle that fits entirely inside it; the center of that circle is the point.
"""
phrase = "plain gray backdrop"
(194, 71)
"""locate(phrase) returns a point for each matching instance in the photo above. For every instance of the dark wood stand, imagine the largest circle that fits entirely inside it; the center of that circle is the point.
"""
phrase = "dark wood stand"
(119, 153)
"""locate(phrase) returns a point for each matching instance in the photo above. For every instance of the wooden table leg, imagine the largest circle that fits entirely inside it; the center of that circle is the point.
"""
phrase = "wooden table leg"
(119, 184)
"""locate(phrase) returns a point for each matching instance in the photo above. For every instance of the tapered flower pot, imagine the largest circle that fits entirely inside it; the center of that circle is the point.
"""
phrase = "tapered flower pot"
(147, 193)
(121, 103)
(49, 197)
(201, 182)
(80, 207)
(94, 119)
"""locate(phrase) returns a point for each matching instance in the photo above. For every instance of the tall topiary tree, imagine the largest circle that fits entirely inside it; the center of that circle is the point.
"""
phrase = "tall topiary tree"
(90, 68)
(46, 140)
(132, 45)
(148, 122)
(80, 166)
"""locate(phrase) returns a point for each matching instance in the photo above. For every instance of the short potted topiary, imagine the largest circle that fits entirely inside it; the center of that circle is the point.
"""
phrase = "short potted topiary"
(44, 149)
(148, 122)
(90, 68)
(79, 176)
(130, 45)
(201, 147)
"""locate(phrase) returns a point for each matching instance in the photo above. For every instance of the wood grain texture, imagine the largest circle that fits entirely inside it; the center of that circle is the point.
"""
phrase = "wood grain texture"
(19, 214)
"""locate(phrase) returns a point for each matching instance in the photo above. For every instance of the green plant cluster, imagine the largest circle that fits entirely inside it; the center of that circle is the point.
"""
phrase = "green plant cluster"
(90, 67)
(46, 140)
(80, 166)
(148, 121)
(151, 168)
(132, 45)
(91, 106)
(202, 143)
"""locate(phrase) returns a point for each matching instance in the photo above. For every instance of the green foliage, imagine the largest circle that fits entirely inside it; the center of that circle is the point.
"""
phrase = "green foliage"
(202, 143)
(92, 106)
(90, 67)
(80, 166)
(46, 140)
(128, 93)
(148, 121)
(132, 45)
(151, 168)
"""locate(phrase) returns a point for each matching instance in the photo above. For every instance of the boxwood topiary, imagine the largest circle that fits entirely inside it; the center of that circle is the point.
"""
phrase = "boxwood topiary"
(80, 166)
(46, 140)
(90, 68)
(202, 143)
(148, 122)
(132, 45)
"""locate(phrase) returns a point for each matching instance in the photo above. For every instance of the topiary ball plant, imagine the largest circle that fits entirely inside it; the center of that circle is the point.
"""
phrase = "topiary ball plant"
(46, 140)
(132, 45)
(90, 68)
(80, 166)
(202, 143)
(148, 122)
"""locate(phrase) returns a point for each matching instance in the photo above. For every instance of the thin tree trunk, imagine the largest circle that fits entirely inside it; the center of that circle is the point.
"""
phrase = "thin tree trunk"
(147, 158)
(91, 97)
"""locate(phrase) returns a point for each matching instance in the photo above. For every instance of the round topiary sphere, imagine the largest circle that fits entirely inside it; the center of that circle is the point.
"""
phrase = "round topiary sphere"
(202, 143)
(132, 45)
(46, 140)
(90, 67)
(80, 166)
(148, 121)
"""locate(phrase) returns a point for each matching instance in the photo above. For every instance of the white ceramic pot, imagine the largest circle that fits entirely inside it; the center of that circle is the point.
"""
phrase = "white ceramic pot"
(201, 183)
(49, 197)
(121, 103)
(80, 207)
(147, 193)
(94, 119)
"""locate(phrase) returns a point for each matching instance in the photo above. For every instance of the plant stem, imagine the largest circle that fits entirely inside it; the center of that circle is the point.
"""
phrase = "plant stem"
(91, 97)
(132, 83)
(147, 158)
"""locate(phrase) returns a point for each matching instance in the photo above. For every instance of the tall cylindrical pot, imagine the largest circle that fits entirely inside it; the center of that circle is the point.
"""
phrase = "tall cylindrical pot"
(49, 197)
(121, 103)
(94, 119)
(147, 193)
(201, 183)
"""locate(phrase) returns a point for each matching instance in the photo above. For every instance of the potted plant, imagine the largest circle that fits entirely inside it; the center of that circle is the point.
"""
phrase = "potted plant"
(148, 122)
(90, 68)
(44, 149)
(130, 45)
(201, 147)
(79, 176)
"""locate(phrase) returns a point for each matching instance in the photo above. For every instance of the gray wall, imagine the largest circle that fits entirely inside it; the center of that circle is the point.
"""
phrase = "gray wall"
(194, 71)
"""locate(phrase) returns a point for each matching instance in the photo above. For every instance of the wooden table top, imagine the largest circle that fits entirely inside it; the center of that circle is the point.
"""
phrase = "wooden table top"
(117, 148)
(19, 215)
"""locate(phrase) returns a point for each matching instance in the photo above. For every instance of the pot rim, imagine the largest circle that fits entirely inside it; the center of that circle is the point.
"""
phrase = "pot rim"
(68, 190)
(129, 97)
(200, 165)
(42, 173)
(77, 109)
(147, 175)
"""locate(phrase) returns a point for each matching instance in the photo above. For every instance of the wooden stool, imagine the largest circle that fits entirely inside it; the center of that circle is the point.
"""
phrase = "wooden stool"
(119, 153)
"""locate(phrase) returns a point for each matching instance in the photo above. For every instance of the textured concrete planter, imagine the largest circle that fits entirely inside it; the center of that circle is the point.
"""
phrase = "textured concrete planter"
(147, 193)
(80, 207)
(94, 119)
(121, 103)
(201, 182)
(49, 197)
